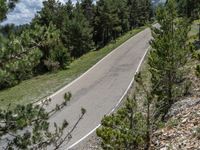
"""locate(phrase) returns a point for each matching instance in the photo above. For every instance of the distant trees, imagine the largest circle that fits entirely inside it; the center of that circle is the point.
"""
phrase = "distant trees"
(189, 8)
(140, 12)
(63, 32)
(88, 8)
(106, 21)
(78, 33)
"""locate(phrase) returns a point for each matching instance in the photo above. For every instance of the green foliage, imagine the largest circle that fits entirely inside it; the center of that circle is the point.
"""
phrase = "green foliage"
(5, 6)
(78, 33)
(88, 10)
(123, 14)
(47, 39)
(36, 49)
(189, 8)
(16, 60)
(67, 97)
(27, 127)
(125, 129)
(197, 56)
(3, 9)
(107, 21)
(114, 17)
(52, 12)
(140, 12)
(130, 127)
(170, 52)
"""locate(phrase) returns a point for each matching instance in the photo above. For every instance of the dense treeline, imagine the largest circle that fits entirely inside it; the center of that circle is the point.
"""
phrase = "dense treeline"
(189, 8)
(60, 33)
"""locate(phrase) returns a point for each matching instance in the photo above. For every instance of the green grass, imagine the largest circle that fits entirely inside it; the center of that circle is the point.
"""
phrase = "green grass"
(41, 86)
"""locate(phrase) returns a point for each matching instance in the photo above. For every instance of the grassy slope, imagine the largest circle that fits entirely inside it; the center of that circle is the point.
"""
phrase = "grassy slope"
(42, 86)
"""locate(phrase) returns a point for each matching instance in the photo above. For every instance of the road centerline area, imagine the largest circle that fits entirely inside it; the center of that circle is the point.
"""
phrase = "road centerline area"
(101, 87)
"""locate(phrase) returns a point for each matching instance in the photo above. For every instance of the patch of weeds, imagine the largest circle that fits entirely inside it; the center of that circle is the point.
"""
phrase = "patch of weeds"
(172, 123)
(159, 124)
(197, 133)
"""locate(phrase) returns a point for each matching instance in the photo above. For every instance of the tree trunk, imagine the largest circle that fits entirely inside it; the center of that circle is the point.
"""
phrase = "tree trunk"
(148, 127)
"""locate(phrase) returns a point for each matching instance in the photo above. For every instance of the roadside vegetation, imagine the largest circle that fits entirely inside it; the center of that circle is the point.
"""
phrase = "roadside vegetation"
(164, 81)
(28, 127)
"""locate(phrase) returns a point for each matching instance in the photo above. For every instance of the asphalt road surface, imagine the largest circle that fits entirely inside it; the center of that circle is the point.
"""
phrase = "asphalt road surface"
(100, 88)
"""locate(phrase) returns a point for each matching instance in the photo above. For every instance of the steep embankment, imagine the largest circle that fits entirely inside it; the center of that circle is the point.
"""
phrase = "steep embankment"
(182, 128)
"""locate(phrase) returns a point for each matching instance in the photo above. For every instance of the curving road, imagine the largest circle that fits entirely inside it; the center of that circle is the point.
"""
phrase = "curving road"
(100, 88)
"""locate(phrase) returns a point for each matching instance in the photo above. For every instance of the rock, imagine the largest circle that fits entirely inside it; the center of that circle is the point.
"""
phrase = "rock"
(164, 148)
(182, 105)
(184, 120)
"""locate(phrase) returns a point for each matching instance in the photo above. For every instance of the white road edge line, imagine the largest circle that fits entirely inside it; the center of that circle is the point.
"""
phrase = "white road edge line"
(63, 88)
(123, 96)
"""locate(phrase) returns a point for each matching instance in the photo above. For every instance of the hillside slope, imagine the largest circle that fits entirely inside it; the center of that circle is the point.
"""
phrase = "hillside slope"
(181, 131)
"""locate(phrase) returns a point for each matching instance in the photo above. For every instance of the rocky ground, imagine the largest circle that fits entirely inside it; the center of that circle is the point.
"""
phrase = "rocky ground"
(182, 130)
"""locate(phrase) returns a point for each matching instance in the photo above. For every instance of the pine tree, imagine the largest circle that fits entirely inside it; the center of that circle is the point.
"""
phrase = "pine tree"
(123, 13)
(189, 8)
(3, 9)
(78, 33)
(125, 129)
(16, 61)
(88, 10)
(27, 127)
(54, 54)
(53, 11)
(140, 12)
(5, 6)
(168, 57)
(107, 22)
(69, 8)
(147, 100)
